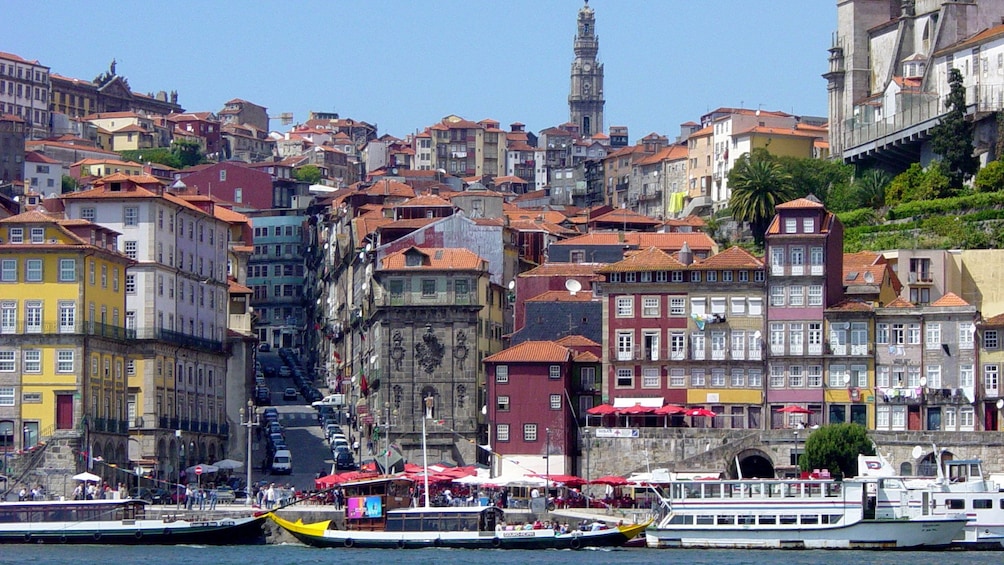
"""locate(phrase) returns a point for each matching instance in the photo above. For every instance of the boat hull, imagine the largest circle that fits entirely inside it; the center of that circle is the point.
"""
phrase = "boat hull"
(867, 534)
(238, 531)
(318, 535)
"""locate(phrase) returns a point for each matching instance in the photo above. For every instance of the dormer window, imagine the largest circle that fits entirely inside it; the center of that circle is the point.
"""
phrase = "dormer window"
(413, 259)
(16, 235)
(115, 187)
(38, 235)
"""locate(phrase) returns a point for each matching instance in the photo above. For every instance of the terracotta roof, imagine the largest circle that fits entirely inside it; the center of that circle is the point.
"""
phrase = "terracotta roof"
(731, 258)
(949, 299)
(512, 179)
(577, 341)
(624, 215)
(651, 259)
(436, 259)
(586, 357)
(562, 270)
(530, 225)
(698, 241)
(235, 287)
(550, 216)
(562, 296)
(691, 220)
(900, 303)
(851, 306)
(36, 157)
(993, 322)
(391, 188)
(799, 203)
(531, 352)
(425, 200)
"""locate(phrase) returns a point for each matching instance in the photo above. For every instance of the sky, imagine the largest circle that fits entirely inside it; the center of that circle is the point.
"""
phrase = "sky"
(404, 65)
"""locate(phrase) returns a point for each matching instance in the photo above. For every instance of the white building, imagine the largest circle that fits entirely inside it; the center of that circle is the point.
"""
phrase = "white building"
(24, 92)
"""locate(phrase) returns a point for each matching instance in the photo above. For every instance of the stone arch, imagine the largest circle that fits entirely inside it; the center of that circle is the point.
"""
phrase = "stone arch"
(754, 463)
(928, 465)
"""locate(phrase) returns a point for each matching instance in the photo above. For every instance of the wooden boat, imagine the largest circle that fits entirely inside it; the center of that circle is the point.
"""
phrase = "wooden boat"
(116, 522)
(799, 514)
(474, 527)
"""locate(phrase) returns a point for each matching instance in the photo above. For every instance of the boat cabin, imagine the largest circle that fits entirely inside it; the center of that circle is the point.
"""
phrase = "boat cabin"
(445, 519)
(367, 502)
(72, 511)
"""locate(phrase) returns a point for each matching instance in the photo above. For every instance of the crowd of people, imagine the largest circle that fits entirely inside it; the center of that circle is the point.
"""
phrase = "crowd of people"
(99, 491)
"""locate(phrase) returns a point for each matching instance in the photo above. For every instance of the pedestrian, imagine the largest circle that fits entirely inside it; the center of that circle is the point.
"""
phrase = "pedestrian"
(78, 493)
(123, 492)
(270, 496)
(189, 497)
(22, 495)
(213, 497)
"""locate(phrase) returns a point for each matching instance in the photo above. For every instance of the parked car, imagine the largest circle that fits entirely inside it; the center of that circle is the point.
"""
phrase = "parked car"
(285, 371)
(344, 461)
(224, 495)
(289, 394)
(264, 347)
(151, 495)
(270, 414)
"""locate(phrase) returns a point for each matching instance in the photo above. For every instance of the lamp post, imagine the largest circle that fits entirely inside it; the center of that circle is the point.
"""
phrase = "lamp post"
(547, 460)
(797, 467)
(181, 462)
(249, 423)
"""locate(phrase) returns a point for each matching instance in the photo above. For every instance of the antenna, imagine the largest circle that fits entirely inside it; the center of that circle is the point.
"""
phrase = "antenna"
(573, 286)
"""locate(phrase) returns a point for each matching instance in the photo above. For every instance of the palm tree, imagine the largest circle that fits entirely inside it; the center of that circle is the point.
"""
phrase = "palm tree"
(759, 183)
(871, 187)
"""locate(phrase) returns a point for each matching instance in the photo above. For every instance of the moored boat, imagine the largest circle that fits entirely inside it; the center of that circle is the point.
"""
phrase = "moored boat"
(117, 522)
(797, 514)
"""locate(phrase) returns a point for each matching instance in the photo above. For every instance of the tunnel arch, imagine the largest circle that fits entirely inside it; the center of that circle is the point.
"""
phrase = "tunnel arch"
(754, 463)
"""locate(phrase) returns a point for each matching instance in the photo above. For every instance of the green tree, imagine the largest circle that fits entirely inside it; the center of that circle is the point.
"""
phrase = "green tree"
(816, 176)
(990, 178)
(69, 184)
(870, 188)
(758, 183)
(310, 174)
(162, 155)
(952, 138)
(916, 184)
(836, 447)
(186, 153)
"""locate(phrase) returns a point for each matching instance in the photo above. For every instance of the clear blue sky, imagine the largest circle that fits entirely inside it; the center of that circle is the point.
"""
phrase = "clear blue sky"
(405, 64)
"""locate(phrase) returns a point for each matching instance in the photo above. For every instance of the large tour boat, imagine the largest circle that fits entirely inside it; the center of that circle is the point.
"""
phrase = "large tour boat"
(117, 522)
(812, 513)
(378, 514)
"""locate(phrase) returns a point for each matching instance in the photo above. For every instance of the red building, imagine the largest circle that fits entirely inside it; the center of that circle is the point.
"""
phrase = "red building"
(231, 182)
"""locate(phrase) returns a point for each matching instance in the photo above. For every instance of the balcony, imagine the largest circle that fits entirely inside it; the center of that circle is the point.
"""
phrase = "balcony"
(179, 338)
(656, 195)
(79, 328)
(240, 323)
(420, 299)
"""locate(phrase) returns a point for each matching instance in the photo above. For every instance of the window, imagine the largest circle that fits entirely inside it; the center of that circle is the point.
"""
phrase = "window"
(130, 216)
(913, 334)
(967, 376)
(814, 376)
(8, 317)
(796, 378)
(555, 402)
(934, 376)
(650, 306)
(130, 249)
(776, 376)
(777, 339)
(130, 284)
(776, 295)
(738, 378)
(502, 374)
(790, 225)
(33, 316)
(7, 397)
(795, 295)
(502, 403)
(7, 362)
(502, 432)
(650, 377)
(695, 276)
(737, 306)
(625, 306)
(966, 332)
(677, 306)
(712, 276)
(718, 306)
(726, 276)
(32, 361)
(677, 378)
(8, 270)
(882, 334)
(64, 361)
(428, 288)
(16, 235)
(33, 270)
(697, 377)
(698, 306)
(816, 295)
(677, 346)
(104, 276)
(529, 432)
(990, 340)
(38, 235)
(87, 214)
(554, 372)
(933, 336)
(67, 317)
(756, 306)
(625, 345)
(625, 377)
(755, 378)
(718, 378)
(808, 225)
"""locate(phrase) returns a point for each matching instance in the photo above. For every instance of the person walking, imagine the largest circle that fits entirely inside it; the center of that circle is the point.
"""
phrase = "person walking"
(213, 498)
(270, 497)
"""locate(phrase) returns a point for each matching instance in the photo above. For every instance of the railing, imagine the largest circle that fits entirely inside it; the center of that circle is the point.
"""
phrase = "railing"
(420, 299)
(179, 338)
(79, 328)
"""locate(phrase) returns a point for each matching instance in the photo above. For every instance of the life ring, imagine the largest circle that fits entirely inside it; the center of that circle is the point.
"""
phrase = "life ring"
(138, 534)
(96, 536)
(496, 543)
(27, 536)
(438, 542)
(575, 543)
(349, 542)
(400, 544)
(62, 538)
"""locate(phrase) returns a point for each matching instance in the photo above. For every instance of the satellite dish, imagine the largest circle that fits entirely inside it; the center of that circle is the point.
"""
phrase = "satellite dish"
(923, 381)
(757, 334)
(362, 256)
(369, 247)
(917, 452)
(573, 286)
(484, 410)
(1000, 404)
(366, 286)
(373, 359)
(512, 285)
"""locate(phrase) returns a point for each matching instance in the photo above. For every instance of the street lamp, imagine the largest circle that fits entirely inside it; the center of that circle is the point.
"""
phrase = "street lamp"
(547, 459)
(797, 467)
(249, 423)
(181, 462)
(25, 439)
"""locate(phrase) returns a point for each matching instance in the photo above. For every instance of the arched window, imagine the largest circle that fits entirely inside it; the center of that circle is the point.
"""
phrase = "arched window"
(906, 469)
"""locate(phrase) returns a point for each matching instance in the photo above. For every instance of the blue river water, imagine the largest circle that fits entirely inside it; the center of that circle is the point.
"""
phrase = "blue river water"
(302, 555)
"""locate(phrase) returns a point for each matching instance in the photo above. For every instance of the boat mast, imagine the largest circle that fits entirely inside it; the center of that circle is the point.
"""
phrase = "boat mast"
(425, 455)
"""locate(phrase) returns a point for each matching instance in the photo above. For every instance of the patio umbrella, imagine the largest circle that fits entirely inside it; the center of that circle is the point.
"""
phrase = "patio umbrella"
(612, 480)
(700, 412)
(670, 409)
(792, 409)
(601, 410)
(635, 410)
(567, 480)
(228, 464)
(87, 477)
(206, 469)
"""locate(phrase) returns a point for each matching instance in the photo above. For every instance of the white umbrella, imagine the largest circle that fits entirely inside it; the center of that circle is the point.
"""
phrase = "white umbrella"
(88, 477)
(206, 469)
(228, 464)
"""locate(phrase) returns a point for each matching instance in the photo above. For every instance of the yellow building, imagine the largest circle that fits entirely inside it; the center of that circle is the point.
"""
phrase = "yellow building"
(64, 353)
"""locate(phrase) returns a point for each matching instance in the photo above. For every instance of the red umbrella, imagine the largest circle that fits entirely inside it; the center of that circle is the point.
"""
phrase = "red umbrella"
(601, 410)
(567, 480)
(636, 409)
(700, 412)
(670, 409)
(792, 409)
(612, 480)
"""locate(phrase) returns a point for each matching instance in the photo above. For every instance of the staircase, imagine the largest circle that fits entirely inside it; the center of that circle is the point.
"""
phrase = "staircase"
(25, 462)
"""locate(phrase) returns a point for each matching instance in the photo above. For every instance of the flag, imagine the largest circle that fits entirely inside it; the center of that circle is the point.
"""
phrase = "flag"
(364, 386)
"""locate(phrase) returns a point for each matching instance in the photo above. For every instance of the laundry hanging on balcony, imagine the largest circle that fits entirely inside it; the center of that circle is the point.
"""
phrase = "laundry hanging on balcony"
(702, 319)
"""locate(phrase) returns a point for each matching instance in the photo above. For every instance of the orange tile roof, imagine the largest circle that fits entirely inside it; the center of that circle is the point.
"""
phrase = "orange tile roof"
(365, 225)
(586, 357)
(691, 220)
(531, 352)
(798, 203)
(562, 296)
(731, 258)
(949, 299)
(391, 188)
(993, 322)
(562, 270)
(900, 303)
(577, 341)
(651, 259)
(624, 215)
(550, 216)
(235, 287)
(437, 259)
(851, 306)
(698, 241)
(425, 200)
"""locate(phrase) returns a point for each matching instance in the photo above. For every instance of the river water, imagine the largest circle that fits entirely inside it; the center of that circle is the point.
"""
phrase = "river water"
(301, 555)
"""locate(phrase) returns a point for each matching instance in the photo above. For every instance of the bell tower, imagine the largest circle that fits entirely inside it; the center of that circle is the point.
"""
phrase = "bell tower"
(585, 99)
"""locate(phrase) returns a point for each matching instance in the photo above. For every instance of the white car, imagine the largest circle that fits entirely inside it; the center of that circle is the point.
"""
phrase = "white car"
(330, 400)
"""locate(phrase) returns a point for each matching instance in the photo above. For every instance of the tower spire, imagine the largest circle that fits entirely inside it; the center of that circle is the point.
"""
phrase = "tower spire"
(585, 97)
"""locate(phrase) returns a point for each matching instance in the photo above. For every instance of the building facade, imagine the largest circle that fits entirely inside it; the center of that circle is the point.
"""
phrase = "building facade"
(585, 96)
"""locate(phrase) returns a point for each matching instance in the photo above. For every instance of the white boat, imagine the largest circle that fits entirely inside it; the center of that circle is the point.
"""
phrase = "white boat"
(960, 487)
(799, 514)
(117, 522)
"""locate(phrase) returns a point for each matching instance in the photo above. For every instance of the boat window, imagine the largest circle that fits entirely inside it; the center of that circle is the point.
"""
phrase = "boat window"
(411, 524)
(430, 524)
(704, 519)
(746, 519)
(832, 489)
(768, 519)
(983, 504)
(789, 519)
(680, 519)
(712, 491)
(955, 504)
(830, 518)
(1002, 504)
(810, 519)
(726, 520)
(693, 491)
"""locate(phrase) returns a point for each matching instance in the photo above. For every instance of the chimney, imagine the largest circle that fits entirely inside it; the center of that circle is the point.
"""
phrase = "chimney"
(686, 255)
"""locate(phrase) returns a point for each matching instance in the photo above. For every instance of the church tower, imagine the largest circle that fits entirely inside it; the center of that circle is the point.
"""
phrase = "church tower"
(585, 100)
